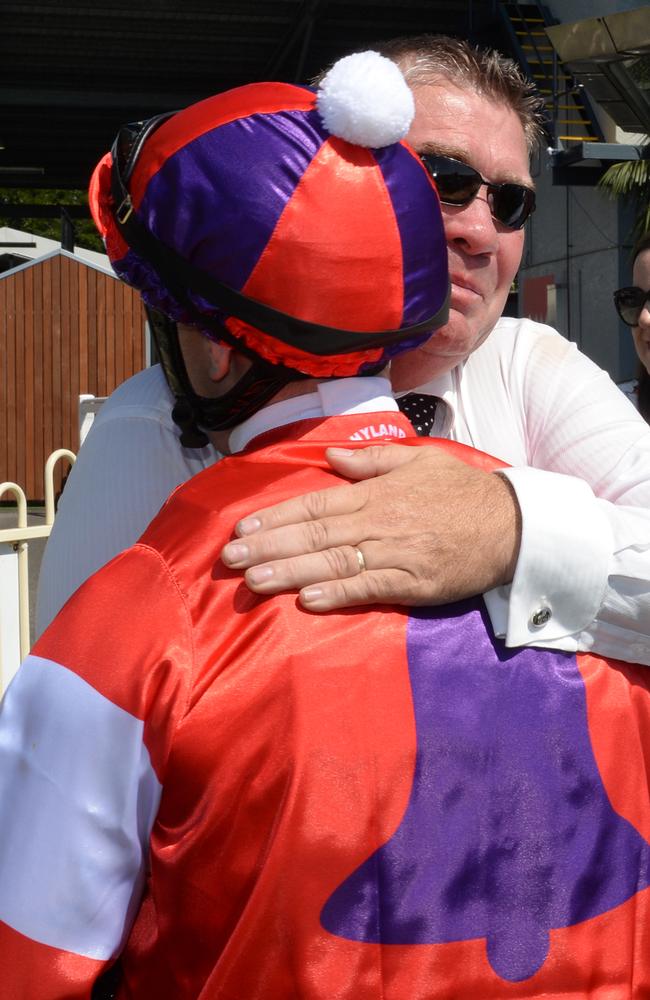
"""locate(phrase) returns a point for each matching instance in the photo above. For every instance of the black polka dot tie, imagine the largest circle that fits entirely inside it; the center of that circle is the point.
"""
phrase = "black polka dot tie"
(420, 409)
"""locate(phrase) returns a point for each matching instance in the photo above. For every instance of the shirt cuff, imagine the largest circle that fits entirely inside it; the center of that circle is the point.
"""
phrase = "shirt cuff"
(563, 564)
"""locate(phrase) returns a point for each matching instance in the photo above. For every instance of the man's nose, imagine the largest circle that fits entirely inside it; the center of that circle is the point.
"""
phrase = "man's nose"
(472, 226)
(644, 317)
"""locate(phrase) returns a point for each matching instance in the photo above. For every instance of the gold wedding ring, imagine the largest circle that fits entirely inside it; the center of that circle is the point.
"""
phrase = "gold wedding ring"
(360, 559)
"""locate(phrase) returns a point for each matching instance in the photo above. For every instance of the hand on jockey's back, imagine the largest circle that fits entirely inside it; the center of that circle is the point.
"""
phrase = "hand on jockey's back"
(431, 530)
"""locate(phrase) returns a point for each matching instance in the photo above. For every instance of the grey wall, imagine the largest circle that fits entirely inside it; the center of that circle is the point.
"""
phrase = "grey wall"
(582, 239)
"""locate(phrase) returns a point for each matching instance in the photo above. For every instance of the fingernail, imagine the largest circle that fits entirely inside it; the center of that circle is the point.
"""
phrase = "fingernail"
(341, 452)
(260, 574)
(311, 594)
(235, 552)
(249, 525)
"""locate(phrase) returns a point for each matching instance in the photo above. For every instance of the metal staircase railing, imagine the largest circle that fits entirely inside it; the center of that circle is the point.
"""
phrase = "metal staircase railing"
(570, 116)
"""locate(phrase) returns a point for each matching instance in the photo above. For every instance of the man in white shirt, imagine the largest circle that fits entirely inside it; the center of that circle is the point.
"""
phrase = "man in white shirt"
(515, 389)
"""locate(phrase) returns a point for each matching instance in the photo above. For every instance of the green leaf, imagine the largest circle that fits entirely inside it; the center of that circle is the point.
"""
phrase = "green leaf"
(630, 180)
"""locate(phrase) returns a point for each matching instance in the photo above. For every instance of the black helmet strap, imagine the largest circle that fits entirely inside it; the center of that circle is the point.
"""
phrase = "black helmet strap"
(191, 412)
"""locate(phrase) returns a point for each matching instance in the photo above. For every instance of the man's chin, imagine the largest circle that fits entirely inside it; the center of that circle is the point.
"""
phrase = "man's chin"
(421, 366)
(455, 341)
(445, 349)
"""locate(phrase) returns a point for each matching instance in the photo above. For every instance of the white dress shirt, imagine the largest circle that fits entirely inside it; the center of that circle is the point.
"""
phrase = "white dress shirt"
(581, 470)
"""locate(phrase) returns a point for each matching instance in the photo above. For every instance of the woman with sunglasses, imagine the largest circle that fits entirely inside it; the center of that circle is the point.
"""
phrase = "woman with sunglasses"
(633, 306)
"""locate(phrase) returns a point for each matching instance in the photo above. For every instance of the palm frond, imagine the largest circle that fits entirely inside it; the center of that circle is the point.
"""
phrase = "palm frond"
(630, 179)
(625, 178)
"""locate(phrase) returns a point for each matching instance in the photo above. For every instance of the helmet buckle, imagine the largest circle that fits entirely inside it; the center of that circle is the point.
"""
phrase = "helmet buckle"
(124, 211)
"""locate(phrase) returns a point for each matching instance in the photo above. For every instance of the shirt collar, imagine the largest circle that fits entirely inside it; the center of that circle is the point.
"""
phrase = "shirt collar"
(333, 398)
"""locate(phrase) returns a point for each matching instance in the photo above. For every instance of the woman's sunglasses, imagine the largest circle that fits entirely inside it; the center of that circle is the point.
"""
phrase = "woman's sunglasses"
(629, 303)
(458, 184)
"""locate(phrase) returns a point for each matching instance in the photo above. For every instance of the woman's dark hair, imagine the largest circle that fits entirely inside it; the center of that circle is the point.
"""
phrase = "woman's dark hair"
(643, 243)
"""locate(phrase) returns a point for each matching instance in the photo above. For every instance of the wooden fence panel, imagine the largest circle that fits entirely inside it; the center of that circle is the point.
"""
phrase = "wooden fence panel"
(66, 328)
(47, 402)
(10, 380)
(38, 381)
(19, 355)
(30, 414)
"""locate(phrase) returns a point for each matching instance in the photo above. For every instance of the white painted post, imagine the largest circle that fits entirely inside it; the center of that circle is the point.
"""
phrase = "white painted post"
(49, 480)
(14, 595)
(89, 407)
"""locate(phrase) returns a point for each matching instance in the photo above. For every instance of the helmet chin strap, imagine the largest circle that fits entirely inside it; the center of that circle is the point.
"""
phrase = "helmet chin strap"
(194, 414)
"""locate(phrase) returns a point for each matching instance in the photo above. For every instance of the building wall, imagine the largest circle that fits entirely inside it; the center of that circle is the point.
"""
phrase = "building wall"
(579, 242)
(579, 239)
(66, 328)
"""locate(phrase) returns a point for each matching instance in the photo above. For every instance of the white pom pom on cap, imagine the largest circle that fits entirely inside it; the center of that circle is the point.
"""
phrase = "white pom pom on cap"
(364, 99)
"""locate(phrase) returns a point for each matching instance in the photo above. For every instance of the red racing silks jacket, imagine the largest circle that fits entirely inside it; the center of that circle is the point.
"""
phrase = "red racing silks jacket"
(252, 802)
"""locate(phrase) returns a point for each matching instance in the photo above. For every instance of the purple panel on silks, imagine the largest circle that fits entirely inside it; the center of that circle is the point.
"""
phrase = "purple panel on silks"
(426, 276)
(262, 158)
(508, 831)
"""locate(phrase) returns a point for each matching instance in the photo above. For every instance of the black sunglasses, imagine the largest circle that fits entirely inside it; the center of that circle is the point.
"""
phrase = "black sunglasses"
(458, 184)
(629, 303)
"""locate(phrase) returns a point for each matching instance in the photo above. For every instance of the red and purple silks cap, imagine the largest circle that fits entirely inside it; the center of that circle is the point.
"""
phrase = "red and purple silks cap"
(253, 188)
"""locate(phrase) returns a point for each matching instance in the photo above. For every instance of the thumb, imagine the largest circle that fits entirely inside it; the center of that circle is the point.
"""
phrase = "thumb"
(366, 463)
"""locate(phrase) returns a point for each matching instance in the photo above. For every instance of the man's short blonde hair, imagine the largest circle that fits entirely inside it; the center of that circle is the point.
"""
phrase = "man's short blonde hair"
(426, 59)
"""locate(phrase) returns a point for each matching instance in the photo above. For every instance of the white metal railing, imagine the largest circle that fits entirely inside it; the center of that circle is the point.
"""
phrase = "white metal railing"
(14, 570)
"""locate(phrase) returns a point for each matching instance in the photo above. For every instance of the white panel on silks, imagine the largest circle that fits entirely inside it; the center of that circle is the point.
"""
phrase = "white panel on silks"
(78, 798)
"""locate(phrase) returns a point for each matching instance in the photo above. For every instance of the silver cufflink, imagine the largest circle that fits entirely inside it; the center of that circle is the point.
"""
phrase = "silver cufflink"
(540, 617)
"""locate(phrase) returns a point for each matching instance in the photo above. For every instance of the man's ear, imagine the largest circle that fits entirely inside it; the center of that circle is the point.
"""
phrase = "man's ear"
(220, 357)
